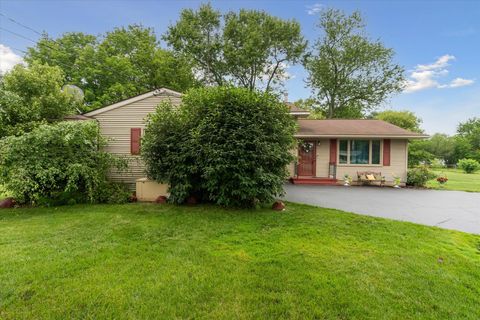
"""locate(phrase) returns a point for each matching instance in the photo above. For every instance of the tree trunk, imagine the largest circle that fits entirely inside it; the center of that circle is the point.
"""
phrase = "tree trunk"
(331, 107)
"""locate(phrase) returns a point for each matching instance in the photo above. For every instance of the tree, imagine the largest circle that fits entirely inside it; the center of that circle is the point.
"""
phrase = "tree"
(229, 146)
(403, 119)
(470, 130)
(442, 147)
(248, 48)
(33, 95)
(463, 149)
(417, 154)
(349, 73)
(310, 104)
(63, 52)
(121, 63)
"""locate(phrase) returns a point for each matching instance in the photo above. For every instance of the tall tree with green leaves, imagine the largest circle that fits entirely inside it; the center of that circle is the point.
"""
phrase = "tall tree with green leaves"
(249, 48)
(33, 95)
(404, 119)
(123, 62)
(349, 73)
(310, 104)
(470, 130)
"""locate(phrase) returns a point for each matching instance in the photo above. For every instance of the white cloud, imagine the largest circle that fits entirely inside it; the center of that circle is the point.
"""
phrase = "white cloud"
(425, 76)
(441, 63)
(314, 9)
(460, 82)
(8, 59)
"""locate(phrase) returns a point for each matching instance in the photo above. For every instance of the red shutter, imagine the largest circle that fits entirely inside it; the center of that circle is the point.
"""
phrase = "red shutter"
(135, 135)
(386, 152)
(333, 151)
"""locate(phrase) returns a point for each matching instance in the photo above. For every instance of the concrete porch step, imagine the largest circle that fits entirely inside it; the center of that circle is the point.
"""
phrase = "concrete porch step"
(314, 181)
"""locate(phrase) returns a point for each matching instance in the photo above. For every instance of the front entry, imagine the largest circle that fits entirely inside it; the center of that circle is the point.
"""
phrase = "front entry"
(306, 159)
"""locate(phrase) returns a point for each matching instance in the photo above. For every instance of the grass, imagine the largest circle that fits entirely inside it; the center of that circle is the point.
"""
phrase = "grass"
(149, 261)
(457, 180)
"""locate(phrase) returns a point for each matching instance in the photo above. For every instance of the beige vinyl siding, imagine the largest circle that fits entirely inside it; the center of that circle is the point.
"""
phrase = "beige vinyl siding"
(398, 164)
(115, 125)
(323, 158)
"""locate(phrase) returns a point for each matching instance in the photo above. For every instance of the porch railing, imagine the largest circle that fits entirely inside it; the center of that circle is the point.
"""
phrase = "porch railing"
(332, 170)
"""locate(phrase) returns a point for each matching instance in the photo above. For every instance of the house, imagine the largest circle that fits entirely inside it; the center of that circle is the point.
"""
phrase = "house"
(327, 150)
(330, 149)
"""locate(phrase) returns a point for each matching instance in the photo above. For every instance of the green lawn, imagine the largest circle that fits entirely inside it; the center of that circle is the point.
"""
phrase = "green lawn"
(146, 261)
(457, 180)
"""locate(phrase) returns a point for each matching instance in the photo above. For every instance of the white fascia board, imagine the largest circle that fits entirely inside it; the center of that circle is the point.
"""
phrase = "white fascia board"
(122, 103)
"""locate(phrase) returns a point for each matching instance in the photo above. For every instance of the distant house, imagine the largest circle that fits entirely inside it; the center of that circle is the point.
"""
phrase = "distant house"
(327, 149)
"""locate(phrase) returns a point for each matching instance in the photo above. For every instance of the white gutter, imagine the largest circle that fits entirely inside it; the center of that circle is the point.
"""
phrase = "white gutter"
(360, 136)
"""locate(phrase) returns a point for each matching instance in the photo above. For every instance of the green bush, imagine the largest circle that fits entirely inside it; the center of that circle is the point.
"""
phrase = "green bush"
(419, 176)
(57, 164)
(229, 146)
(437, 163)
(469, 165)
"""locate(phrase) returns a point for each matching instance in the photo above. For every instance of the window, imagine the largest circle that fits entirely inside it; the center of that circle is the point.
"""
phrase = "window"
(375, 152)
(343, 154)
(359, 152)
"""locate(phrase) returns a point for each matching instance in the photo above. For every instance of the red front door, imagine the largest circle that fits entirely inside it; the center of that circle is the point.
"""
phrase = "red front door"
(306, 158)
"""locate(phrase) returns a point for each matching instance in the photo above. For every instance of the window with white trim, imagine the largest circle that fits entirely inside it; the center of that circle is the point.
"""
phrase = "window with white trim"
(359, 152)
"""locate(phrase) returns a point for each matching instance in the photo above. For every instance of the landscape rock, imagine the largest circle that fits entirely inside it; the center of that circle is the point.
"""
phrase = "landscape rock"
(161, 199)
(7, 203)
(278, 205)
(133, 197)
(192, 200)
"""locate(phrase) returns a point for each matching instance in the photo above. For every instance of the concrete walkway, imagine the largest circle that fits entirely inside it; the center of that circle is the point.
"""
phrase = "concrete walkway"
(455, 210)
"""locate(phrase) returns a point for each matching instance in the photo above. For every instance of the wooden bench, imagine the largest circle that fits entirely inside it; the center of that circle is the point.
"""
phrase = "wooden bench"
(365, 177)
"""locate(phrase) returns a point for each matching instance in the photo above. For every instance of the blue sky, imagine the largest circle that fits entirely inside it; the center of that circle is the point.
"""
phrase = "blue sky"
(438, 43)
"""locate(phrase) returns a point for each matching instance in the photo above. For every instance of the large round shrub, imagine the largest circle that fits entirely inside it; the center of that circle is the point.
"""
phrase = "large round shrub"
(224, 145)
(469, 165)
(56, 164)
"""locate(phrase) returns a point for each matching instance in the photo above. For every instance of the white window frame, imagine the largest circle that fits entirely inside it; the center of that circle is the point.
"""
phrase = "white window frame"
(369, 164)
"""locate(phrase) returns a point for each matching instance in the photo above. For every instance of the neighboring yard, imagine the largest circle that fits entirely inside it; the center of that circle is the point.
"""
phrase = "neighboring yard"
(457, 180)
(150, 261)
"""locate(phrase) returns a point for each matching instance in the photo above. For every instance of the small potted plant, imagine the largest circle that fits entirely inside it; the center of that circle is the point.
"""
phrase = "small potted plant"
(396, 181)
(442, 180)
(347, 180)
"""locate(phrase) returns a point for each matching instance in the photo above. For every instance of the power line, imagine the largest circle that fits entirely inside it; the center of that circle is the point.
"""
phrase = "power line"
(47, 58)
(38, 43)
(18, 35)
(20, 50)
(20, 24)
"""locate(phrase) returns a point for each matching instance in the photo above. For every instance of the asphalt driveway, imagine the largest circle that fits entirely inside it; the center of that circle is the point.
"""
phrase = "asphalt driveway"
(456, 210)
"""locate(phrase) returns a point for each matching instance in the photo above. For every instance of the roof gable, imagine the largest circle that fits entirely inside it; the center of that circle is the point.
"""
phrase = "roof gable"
(296, 111)
(156, 92)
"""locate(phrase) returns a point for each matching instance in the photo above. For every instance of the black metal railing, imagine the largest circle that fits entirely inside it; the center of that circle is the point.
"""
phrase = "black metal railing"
(332, 170)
